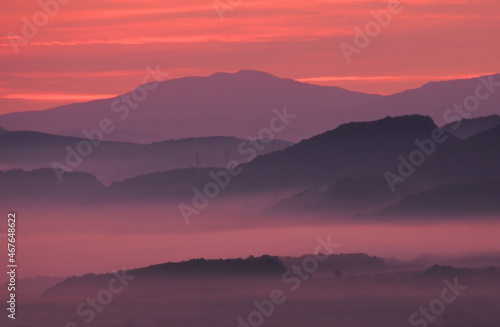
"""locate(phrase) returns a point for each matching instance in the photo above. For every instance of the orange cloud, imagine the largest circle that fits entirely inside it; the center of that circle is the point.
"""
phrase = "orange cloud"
(57, 96)
(101, 47)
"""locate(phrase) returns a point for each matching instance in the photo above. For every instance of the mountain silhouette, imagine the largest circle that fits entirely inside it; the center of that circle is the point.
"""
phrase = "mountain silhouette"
(345, 262)
(476, 158)
(319, 161)
(351, 150)
(173, 184)
(469, 127)
(454, 200)
(28, 187)
(240, 105)
(116, 161)
(264, 265)
(340, 170)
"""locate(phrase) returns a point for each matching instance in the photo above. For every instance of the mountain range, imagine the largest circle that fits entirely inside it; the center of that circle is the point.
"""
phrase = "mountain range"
(240, 105)
(469, 127)
(344, 169)
(333, 265)
(115, 161)
(357, 154)
(263, 266)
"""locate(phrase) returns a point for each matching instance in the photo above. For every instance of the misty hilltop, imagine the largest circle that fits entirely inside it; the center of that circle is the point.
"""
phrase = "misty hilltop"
(116, 161)
(466, 128)
(353, 169)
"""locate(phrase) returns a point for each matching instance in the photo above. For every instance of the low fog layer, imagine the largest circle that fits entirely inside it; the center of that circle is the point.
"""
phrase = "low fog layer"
(209, 294)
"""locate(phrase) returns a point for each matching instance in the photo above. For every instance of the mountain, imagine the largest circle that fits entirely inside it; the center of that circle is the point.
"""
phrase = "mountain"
(344, 262)
(264, 265)
(238, 104)
(454, 200)
(438, 99)
(455, 171)
(365, 149)
(353, 195)
(321, 161)
(468, 260)
(173, 184)
(29, 187)
(308, 199)
(350, 162)
(316, 162)
(2, 130)
(357, 193)
(476, 158)
(241, 105)
(115, 161)
(251, 266)
(466, 128)
(342, 169)
(157, 297)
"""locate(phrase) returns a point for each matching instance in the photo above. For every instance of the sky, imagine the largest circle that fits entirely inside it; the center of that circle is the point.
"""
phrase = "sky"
(85, 50)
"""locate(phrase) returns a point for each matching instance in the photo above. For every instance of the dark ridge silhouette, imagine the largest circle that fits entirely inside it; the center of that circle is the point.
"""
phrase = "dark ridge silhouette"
(476, 158)
(466, 128)
(299, 202)
(349, 162)
(157, 297)
(265, 264)
(316, 162)
(360, 192)
(348, 262)
(239, 104)
(319, 161)
(195, 268)
(36, 285)
(468, 261)
(356, 195)
(115, 161)
(42, 184)
(437, 269)
(354, 149)
(174, 184)
(455, 200)
(2, 130)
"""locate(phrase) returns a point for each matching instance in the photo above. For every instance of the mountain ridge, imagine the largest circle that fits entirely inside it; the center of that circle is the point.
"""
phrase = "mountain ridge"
(112, 161)
(240, 104)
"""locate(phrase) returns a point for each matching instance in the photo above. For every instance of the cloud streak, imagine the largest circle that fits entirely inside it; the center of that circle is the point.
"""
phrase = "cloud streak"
(293, 39)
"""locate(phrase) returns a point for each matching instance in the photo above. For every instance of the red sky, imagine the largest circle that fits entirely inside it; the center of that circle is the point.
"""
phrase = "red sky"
(93, 49)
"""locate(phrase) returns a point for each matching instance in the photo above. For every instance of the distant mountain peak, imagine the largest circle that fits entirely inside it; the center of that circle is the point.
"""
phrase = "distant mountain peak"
(240, 104)
(252, 72)
(399, 123)
(247, 75)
